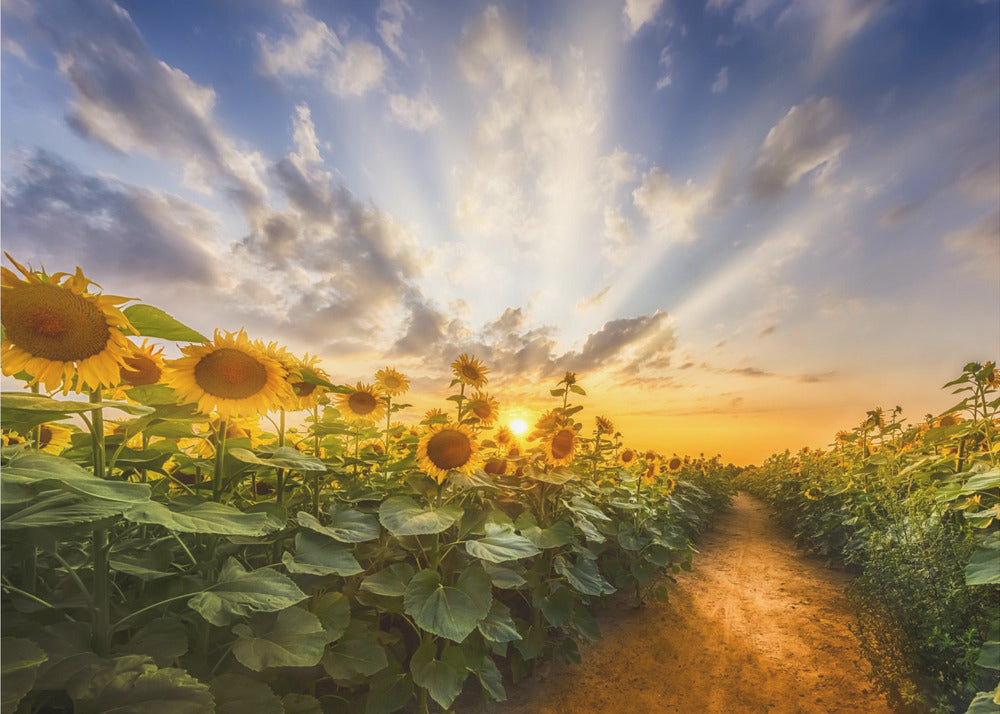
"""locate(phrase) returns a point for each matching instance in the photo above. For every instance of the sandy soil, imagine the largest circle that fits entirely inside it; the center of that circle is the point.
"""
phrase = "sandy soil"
(756, 627)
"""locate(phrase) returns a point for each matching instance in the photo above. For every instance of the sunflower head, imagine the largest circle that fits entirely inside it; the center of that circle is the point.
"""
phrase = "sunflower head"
(391, 382)
(303, 375)
(651, 455)
(143, 366)
(363, 403)
(814, 494)
(652, 471)
(949, 420)
(444, 448)
(674, 464)
(231, 375)
(469, 370)
(668, 485)
(843, 437)
(569, 379)
(503, 436)
(495, 466)
(435, 416)
(627, 457)
(61, 334)
(604, 425)
(485, 408)
(561, 446)
(991, 376)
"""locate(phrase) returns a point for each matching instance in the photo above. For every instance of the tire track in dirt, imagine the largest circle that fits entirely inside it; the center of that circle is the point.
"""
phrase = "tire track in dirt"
(757, 626)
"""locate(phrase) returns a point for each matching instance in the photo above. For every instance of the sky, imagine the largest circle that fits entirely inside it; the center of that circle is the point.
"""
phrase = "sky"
(743, 223)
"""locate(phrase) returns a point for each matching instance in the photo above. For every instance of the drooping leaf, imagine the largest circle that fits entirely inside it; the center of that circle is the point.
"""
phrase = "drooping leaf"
(490, 678)
(201, 517)
(347, 526)
(134, 685)
(239, 694)
(151, 321)
(984, 565)
(982, 482)
(583, 576)
(61, 510)
(498, 625)
(557, 606)
(317, 554)
(500, 545)
(291, 638)
(442, 678)
(558, 534)
(390, 582)
(448, 611)
(402, 516)
(239, 592)
(20, 660)
(358, 652)
(42, 471)
(504, 577)
(284, 457)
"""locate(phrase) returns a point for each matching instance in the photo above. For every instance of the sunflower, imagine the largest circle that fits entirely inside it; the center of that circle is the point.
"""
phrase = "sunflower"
(495, 466)
(376, 447)
(561, 446)
(569, 379)
(503, 436)
(652, 471)
(144, 366)
(814, 494)
(949, 420)
(514, 452)
(302, 377)
(230, 375)
(363, 403)
(469, 370)
(447, 447)
(485, 407)
(651, 456)
(668, 484)
(675, 464)
(435, 416)
(627, 457)
(991, 375)
(54, 438)
(604, 425)
(62, 335)
(391, 382)
(843, 437)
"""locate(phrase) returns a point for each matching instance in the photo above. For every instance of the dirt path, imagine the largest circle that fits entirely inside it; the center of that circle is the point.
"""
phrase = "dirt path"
(756, 627)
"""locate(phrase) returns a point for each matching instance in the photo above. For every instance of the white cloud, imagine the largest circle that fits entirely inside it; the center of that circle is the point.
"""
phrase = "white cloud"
(389, 20)
(810, 135)
(979, 245)
(666, 62)
(619, 233)
(672, 208)
(638, 12)
(418, 113)
(721, 81)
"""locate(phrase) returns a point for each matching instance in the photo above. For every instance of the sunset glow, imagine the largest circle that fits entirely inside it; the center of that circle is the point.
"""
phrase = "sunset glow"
(518, 426)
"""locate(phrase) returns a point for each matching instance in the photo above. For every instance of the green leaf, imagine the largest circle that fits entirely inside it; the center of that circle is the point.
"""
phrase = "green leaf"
(201, 517)
(446, 611)
(503, 577)
(983, 703)
(490, 679)
(134, 685)
(557, 476)
(61, 511)
(239, 694)
(984, 565)
(291, 638)
(558, 534)
(334, 612)
(44, 471)
(390, 582)
(164, 639)
(982, 482)
(583, 576)
(389, 691)
(239, 593)
(284, 457)
(442, 678)
(498, 625)
(500, 545)
(151, 321)
(989, 655)
(21, 411)
(20, 660)
(347, 526)
(301, 704)
(358, 652)
(558, 606)
(317, 554)
(583, 507)
(402, 517)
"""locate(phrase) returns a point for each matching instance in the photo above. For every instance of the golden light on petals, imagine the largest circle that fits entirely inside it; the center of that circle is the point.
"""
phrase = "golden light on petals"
(604, 425)
(363, 403)
(668, 485)
(230, 376)
(627, 457)
(302, 377)
(470, 370)
(652, 471)
(674, 464)
(392, 382)
(485, 407)
(62, 335)
(505, 436)
(447, 447)
(561, 447)
(144, 366)
(949, 420)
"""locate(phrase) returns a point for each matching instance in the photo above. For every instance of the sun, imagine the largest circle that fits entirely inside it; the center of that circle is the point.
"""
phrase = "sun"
(518, 426)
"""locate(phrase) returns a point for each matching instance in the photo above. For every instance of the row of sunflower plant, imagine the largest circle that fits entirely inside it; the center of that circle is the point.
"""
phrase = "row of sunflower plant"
(913, 510)
(231, 531)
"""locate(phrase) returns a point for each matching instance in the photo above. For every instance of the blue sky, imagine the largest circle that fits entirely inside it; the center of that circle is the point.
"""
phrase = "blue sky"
(744, 222)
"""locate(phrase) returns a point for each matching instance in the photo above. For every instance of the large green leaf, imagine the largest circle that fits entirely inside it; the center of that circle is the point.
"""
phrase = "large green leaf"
(504, 577)
(558, 534)
(390, 582)
(490, 678)
(21, 411)
(982, 482)
(500, 545)
(239, 593)
(583, 576)
(284, 457)
(334, 612)
(358, 652)
(200, 517)
(389, 691)
(317, 554)
(164, 639)
(45, 471)
(984, 565)
(301, 704)
(61, 510)
(498, 625)
(291, 638)
(442, 678)
(402, 516)
(448, 611)
(151, 321)
(20, 660)
(239, 694)
(984, 703)
(347, 526)
(134, 685)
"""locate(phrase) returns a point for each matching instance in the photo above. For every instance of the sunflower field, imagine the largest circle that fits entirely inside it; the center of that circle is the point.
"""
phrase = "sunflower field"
(231, 530)
(913, 510)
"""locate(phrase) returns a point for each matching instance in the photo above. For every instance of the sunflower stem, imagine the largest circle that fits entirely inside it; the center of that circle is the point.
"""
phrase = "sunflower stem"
(220, 456)
(316, 475)
(388, 426)
(36, 433)
(101, 606)
(280, 492)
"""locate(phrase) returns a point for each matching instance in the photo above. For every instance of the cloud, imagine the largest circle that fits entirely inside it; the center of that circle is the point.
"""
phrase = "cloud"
(51, 209)
(721, 81)
(672, 208)
(978, 244)
(389, 21)
(810, 135)
(593, 300)
(638, 12)
(418, 113)
(666, 61)
(312, 49)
